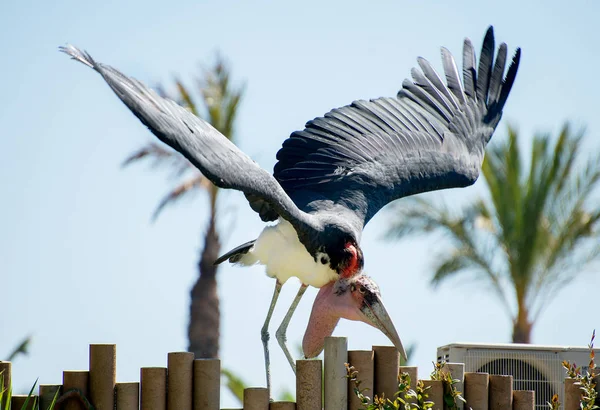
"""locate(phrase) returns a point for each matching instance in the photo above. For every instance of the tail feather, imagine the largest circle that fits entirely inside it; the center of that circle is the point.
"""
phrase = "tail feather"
(236, 253)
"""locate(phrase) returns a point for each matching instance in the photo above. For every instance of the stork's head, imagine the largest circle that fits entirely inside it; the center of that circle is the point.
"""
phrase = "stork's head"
(343, 256)
(354, 298)
(336, 243)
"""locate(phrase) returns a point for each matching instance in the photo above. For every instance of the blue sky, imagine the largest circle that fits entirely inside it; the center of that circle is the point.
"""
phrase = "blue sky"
(80, 261)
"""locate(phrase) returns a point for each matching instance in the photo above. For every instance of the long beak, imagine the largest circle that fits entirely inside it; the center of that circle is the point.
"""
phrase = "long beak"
(378, 317)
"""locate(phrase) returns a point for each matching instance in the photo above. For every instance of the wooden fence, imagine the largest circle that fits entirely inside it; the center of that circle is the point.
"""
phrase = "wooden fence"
(188, 384)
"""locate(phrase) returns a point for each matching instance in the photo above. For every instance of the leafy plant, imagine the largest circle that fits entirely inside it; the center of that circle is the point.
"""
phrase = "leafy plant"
(6, 397)
(234, 383)
(585, 380)
(451, 394)
(22, 348)
(536, 229)
(405, 398)
(352, 375)
(554, 404)
(237, 385)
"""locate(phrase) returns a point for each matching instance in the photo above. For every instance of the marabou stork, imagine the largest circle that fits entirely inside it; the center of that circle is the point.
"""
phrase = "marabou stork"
(336, 174)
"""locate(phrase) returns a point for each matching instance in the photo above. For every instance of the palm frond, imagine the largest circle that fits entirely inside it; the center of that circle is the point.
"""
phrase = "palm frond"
(220, 98)
(499, 170)
(185, 99)
(22, 348)
(152, 151)
(417, 215)
(286, 395)
(583, 260)
(161, 156)
(410, 352)
(566, 226)
(457, 262)
(235, 384)
(537, 231)
(470, 260)
(231, 110)
(574, 142)
(187, 187)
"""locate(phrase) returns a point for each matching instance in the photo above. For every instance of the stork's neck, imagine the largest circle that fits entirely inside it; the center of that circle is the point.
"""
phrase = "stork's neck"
(321, 324)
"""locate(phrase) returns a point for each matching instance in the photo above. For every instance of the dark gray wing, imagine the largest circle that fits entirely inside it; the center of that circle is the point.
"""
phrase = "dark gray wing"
(432, 136)
(213, 154)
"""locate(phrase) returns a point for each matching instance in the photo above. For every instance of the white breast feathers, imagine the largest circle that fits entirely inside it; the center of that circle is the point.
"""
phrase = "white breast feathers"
(279, 249)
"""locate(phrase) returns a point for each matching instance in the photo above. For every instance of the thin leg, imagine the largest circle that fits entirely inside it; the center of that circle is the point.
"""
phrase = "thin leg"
(264, 333)
(282, 330)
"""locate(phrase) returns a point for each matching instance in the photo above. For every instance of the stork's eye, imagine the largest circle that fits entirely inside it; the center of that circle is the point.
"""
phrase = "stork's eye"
(362, 290)
(324, 260)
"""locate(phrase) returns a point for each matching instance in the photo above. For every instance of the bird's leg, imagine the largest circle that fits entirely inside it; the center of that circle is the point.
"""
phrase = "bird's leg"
(264, 333)
(281, 331)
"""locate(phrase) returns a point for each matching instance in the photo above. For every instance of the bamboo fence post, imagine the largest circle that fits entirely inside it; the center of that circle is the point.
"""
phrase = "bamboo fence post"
(153, 382)
(387, 364)
(78, 380)
(180, 380)
(413, 374)
(207, 382)
(256, 398)
(47, 392)
(336, 383)
(476, 390)
(282, 405)
(572, 395)
(128, 396)
(5, 371)
(309, 374)
(501, 392)
(362, 360)
(524, 400)
(457, 371)
(17, 402)
(435, 393)
(103, 364)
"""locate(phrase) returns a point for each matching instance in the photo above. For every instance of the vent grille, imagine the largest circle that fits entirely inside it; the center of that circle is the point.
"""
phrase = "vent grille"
(531, 370)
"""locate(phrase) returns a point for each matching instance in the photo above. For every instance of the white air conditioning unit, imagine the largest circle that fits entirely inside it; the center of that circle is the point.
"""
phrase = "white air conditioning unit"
(533, 367)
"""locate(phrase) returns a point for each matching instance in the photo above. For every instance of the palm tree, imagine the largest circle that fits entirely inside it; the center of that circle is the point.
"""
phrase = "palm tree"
(536, 230)
(219, 103)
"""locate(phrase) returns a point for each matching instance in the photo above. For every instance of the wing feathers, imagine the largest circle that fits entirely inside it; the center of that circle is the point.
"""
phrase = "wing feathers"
(361, 156)
(497, 75)
(485, 66)
(431, 136)
(509, 80)
(428, 93)
(469, 75)
(404, 120)
(437, 86)
(213, 154)
(452, 76)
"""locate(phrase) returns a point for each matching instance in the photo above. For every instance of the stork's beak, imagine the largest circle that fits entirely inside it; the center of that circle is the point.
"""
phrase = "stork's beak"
(378, 317)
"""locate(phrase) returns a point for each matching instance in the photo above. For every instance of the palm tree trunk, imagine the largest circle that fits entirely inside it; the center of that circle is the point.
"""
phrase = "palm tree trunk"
(203, 330)
(522, 326)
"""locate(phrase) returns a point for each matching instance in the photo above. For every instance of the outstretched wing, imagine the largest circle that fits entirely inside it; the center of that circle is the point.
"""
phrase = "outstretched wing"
(432, 136)
(213, 154)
